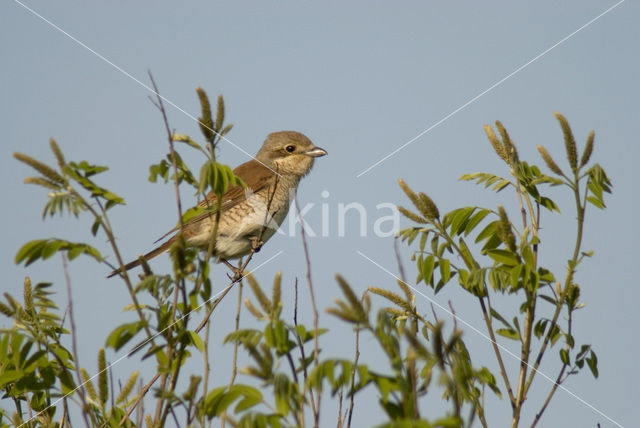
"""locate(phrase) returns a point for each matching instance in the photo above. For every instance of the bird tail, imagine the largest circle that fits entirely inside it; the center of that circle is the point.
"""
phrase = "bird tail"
(151, 254)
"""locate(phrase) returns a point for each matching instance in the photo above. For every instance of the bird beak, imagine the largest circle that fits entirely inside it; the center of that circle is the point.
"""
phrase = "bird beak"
(316, 152)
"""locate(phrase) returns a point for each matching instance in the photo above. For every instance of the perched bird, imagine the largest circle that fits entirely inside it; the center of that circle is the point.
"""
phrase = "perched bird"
(249, 217)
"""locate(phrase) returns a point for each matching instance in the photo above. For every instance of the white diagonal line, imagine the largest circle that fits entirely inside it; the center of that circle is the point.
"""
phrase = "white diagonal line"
(476, 330)
(135, 348)
(499, 82)
(147, 87)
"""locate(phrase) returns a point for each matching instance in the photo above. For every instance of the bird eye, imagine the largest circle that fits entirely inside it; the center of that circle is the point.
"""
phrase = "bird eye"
(290, 149)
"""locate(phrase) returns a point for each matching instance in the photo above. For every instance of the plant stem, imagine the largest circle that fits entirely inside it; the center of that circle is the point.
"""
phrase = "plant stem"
(568, 281)
(316, 347)
(496, 350)
(485, 314)
(74, 347)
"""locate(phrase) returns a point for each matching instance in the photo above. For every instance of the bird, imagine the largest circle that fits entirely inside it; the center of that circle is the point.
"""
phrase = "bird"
(248, 216)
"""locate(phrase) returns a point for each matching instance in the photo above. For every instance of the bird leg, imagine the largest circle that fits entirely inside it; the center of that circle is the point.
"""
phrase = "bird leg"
(237, 272)
(256, 243)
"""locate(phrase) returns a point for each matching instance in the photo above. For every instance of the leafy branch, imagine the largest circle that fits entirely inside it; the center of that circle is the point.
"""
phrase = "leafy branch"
(512, 256)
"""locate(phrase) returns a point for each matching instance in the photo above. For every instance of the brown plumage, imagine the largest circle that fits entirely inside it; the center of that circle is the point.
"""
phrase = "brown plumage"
(272, 179)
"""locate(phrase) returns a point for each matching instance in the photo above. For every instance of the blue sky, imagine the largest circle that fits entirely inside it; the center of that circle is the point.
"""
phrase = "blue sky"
(360, 79)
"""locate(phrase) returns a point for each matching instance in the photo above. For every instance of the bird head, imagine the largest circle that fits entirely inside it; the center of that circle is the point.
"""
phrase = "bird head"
(289, 152)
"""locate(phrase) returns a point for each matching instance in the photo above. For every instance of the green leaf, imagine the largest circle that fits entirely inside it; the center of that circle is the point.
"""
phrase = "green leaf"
(123, 334)
(9, 376)
(546, 275)
(183, 138)
(160, 169)
(527, 255)
(251, 397)
(88, 168)
(548, 204)
(248, 337)
(445, 270)
(564, 356)
(212, 402)
(466, 254)
(592, 362)
(283, 390)
(500, 318)
(584, 349)
(596, 202)
(196, 340)
(549, 299)
(498, 182)
(457, 219)
(205, 120)
(427, 269)
(488, 231)
(446, 422)
(475, 220)
(45, 248)
(508, 333)
(227, 399)
(217, 177)
(194, 212)
(540, 327)
(504, 256)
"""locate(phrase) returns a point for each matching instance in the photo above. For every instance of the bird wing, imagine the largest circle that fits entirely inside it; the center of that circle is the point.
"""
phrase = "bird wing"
(254, 174)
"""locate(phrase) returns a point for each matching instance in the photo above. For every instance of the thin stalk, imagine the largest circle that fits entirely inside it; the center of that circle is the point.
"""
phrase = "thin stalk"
(181, 285)
(207, 369)
(316, 347)
(485, 315)
(568, 280)
(352, 391)
(234, 370)
(530, 311)
(139, 398)
(503, 371)
(557, 383)
(301, 347)
(106, 226)
(524, 361)
(74, 346)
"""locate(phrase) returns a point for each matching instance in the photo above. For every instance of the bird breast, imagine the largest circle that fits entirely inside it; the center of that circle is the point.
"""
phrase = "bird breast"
(243, 223)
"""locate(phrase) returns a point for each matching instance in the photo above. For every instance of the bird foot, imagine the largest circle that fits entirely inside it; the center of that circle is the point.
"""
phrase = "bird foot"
(238, 273)
(256, 244)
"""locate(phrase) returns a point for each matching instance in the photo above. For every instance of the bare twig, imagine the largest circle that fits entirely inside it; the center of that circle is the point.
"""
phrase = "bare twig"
(399, 261)
(503, 371)
(580, 208)
(207, 369)
(181, 285)
(352, 391)
(549, 397)
(141, 395)
(106, 226)
(295, 304)
(303, 356)
(174, 162)
(316, 347)
(74, 346)
(340, 422)
(213, 306)
(455, 319)
(433, 312)
(64, 419)
(235, 346)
